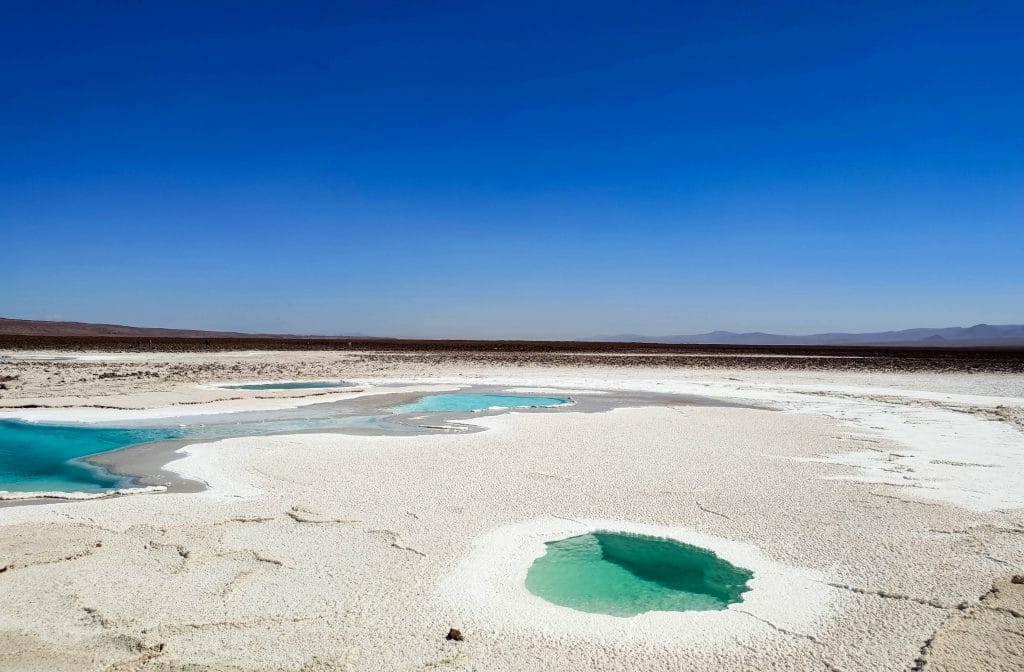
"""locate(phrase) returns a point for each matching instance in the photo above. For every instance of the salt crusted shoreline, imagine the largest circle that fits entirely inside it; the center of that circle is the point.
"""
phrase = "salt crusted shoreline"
(861, 508)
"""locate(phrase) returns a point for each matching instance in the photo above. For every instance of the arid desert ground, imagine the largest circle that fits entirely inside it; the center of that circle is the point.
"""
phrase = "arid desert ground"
(879, 505)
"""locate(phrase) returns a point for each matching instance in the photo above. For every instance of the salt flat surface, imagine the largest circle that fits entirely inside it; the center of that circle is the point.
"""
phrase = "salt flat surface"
(256, 401)
(945, 453)
(327, 551)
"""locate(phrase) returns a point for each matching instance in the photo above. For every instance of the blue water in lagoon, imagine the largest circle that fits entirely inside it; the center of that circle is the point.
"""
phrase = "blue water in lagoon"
(296, 385)
(461, 403)
(45, 457)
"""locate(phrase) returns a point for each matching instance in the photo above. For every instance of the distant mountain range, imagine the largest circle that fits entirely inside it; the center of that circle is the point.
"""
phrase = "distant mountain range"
(979, 334)
(12, 327)
(9, 327)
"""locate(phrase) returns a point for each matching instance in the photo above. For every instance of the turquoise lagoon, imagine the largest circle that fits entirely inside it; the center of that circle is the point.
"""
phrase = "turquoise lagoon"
(49, 457)
(38, 457)
(462, 403)
(628, 574)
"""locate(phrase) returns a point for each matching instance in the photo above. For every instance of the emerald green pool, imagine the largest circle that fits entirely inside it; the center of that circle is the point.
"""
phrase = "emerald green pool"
(624, 574)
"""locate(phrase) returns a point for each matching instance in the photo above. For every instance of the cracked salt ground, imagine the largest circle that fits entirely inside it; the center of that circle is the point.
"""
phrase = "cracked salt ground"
(292, 560)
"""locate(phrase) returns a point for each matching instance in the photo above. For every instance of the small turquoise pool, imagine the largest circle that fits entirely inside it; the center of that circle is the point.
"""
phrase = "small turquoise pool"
(37, 457)
(623, 574)
(294, 385)
(461, 403)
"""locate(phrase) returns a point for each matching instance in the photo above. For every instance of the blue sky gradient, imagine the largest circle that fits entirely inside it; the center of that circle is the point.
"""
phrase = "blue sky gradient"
(544, 170)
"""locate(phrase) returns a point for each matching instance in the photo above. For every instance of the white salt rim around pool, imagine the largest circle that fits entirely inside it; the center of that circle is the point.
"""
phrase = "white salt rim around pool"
(234, 385)
(554, 391)
(489, 587)
(276, 403)
(9, 496)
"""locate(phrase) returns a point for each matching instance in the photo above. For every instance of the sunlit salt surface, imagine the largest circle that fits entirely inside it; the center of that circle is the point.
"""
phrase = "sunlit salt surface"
(461, 403)
(294, 385)
(623, 574)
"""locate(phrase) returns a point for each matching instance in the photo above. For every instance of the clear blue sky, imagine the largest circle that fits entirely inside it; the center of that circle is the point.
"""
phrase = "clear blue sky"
(550, 169)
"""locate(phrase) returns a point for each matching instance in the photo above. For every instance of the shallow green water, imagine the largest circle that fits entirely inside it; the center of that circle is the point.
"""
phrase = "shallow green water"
(460, 403)
(626, 574)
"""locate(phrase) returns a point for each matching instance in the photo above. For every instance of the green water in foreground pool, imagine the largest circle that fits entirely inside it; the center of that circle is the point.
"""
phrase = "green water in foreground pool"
(627, 574)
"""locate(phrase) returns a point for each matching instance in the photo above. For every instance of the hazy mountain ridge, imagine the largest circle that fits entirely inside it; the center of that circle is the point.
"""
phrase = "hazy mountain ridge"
(979, 334)
(12, 327)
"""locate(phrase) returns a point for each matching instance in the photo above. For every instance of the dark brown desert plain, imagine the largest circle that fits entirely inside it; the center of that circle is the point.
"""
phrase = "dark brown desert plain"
(80, 336)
